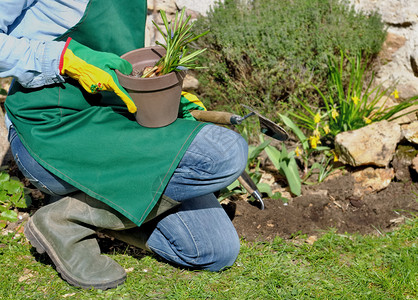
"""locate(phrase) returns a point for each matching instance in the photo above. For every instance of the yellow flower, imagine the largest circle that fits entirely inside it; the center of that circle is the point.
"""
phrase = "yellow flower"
(334, 113)
(335, 155)
(326, 129)
(317, 118)
(355, 100)
(297, 151)
(314, 141)
(367, 120)
(395, 94)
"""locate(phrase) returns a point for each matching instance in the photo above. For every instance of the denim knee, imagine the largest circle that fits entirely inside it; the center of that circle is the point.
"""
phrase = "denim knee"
(213, 255)
(224, 255)
(237, 158)
(228, 151)
(216, 157)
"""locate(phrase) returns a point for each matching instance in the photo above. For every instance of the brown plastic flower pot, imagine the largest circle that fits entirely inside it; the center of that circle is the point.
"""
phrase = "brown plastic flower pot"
(158, 98)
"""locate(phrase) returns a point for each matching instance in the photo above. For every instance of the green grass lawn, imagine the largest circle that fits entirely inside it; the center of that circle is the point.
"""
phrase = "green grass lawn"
(335, 267)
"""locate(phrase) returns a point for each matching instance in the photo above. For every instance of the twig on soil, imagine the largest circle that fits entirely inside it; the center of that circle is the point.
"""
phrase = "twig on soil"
(336, 203)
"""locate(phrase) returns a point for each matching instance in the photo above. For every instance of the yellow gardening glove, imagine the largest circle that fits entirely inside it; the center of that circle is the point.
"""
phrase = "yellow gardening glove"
(95, 70)
(189, 102)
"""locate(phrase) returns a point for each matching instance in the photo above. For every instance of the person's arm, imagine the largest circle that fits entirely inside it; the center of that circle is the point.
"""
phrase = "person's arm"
(33, 63)
(36, 63)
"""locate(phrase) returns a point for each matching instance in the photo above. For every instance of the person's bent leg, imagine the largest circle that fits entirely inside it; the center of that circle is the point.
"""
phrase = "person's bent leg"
(215, 158)
(41, 178)
(200, 236)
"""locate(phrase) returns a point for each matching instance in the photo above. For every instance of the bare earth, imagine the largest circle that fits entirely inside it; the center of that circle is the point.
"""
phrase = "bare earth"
(330, 204)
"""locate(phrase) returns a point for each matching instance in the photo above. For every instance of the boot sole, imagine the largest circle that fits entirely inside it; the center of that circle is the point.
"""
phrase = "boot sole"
(41, 245)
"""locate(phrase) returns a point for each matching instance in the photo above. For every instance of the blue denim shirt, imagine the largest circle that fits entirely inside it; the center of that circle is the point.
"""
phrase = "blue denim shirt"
(27, 29)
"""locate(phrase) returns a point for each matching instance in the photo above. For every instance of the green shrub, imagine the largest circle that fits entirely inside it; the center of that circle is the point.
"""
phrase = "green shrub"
(266, 52)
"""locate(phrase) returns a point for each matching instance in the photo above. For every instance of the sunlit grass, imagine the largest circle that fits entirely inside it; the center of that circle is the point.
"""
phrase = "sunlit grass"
(334, 267)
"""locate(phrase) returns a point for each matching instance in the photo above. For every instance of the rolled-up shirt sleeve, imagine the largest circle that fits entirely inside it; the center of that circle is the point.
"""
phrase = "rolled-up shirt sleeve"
(32, 62)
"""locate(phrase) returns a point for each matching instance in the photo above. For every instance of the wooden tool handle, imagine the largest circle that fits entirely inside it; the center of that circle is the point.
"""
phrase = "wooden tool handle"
(246, 185)
(217, 117)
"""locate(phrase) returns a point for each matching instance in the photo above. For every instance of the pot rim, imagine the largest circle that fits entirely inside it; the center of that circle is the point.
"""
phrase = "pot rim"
(148, 84)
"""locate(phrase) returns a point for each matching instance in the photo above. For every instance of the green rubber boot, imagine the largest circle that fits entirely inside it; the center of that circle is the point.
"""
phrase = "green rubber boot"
(138, 236)
(65, 231)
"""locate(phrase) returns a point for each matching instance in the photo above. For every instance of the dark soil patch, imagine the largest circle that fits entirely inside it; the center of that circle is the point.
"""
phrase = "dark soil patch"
(330, 204)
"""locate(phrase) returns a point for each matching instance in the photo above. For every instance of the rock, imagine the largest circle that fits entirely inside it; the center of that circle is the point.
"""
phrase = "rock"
(392, 44)
(414, 164)
(414, 62)
(168, 6)
(400, 13)
(190, 83)
(410, 132)
(202, 7)
(399, 52)
(371, 180)
(409, 115)
(405, 116)
(402, 161)
(398, 73)
(374, 144)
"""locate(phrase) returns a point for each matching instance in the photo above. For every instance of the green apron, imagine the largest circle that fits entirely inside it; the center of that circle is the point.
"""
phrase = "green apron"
(92, 141)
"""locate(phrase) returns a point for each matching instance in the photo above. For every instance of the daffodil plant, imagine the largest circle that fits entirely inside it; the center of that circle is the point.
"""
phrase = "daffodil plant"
(351, 107)
(177, 39)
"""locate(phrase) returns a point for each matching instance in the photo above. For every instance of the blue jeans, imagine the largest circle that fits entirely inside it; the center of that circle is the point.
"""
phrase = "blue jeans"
(199, 234)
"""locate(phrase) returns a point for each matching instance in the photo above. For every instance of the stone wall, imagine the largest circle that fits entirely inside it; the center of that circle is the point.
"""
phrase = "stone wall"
(400, 51)
(399, 56)
(193, 8)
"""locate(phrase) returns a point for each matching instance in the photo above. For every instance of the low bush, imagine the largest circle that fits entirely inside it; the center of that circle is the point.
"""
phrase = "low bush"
(264, 52)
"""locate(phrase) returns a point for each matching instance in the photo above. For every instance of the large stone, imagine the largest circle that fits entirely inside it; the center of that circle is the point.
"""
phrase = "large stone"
(202, 7)
(374, 144)
(397, 74)
(190, 83)
(392, 44)
(414, 61)
(371, 180)
(414, 164)
(399, 54)
(393, 12)
(410, 132)
(168, 6)
(402, 161)
(405, 116)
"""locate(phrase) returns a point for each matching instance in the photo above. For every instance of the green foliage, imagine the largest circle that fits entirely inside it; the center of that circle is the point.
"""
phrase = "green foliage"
(348, 107)
(285, 163)
(263, 52)
(12, 195)
(324, 167)
(177, 38)
(253, 170)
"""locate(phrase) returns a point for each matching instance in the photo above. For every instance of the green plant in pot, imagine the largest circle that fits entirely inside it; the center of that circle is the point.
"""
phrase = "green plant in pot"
(155, 84)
